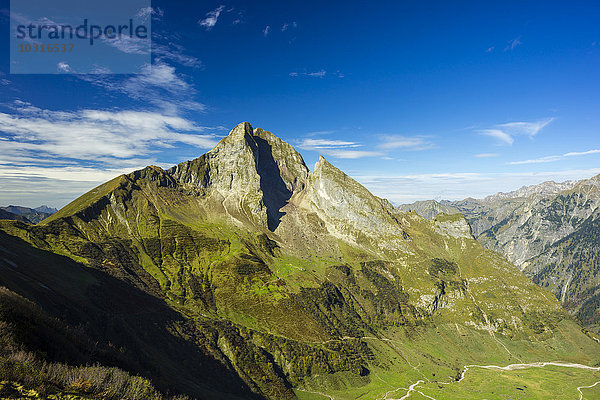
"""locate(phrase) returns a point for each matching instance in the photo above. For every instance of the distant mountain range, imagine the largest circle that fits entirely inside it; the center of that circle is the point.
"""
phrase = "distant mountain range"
(550, 231)
(25, 214)
(242, 274)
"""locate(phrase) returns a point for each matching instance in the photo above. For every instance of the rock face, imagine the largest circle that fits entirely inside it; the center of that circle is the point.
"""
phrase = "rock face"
(454, 225)
(282, 279)
(428, 209)
(546, 230)
(250, 172)
(349, 211)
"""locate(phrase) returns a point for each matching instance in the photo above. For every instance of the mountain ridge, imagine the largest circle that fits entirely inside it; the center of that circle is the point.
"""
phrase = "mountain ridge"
(26, 214)
(303, 280)
(534, 227)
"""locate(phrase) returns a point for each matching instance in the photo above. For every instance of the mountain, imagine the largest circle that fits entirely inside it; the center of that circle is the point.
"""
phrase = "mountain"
(32, 215)
(549, 232)
(8, 215)
(45, 209)
(243, 274)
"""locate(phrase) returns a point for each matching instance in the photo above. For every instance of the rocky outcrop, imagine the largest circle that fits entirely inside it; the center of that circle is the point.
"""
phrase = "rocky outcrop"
(428, 209)
(349, 210)
(252, 173)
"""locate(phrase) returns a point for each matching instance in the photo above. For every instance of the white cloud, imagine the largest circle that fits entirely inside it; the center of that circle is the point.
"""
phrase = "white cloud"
(211, 18)
(56, 156)
(490, 49)
(352, 154)
(171, 51)
(548, 159)
(498, 134)
(266, 30)
(402, 189)
(106, 137)
(287, 26)
(486, 155)
(56, 185)
(324, 143)
(158, 84)
(350, 149)
(64, 67)
(146, 12)
(393, 142)
(512, 44)
(317, 74)
(337, 148)
(130, 45)
(506, 132)
(582, 153)
(526, 128)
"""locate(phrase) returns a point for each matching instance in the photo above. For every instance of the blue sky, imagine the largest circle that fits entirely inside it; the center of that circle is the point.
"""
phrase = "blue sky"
(414, 99)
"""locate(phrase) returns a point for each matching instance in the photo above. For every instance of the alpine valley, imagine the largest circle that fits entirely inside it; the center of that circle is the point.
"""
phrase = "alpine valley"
(242, 274)
(550, 231)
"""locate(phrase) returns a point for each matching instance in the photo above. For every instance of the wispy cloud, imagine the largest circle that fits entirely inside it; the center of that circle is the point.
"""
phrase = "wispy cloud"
(337, 148)
(240, 17)
(351, 149)
(130, 45)
(498, 134)
(548, 159)
(266, 31)
(55, 185)
(486, 155)
(393, 142)
(158, 84)
(63, 67)
(400, 189)
(165, 48)
(526, 128)
(317, 74)
(289, 25)
(155, 13)
(505, 133)
(324, 143)
(352, 154)
(512, 44)
(211, 18)
(490, 49)
(110, 138)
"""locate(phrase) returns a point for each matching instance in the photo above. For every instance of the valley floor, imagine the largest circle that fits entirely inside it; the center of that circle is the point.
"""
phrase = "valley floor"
(541, 380)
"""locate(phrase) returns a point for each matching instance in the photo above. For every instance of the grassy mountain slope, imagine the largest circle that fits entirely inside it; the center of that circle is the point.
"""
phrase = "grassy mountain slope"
(287, 281)
(8, 215)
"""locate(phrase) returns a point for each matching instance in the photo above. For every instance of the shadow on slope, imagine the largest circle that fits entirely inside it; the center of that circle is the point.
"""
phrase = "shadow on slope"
(116, 325)
(276, 193)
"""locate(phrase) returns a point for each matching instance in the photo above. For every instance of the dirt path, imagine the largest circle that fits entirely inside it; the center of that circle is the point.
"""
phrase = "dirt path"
(585, 387)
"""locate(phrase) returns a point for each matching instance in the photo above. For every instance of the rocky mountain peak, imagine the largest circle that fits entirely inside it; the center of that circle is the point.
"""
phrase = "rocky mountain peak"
(250, 171)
